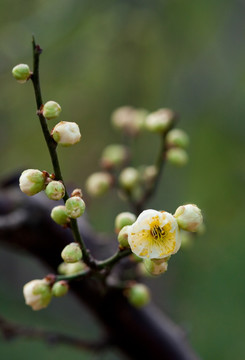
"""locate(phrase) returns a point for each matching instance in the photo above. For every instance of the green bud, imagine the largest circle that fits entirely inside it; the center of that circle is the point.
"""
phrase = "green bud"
(59, 215)
(72, 253)
(21, 73)
(55, 190)
(159, 121)
(129, 178)
(60, 288)
(114, 156)
(75, 207)
(123, 219)
(32, 181)
(123, 237)
(51, 110)
(177, 157)
(178, 138)
(37, 294)
(138, 295)
(98, 183)
(71, 268)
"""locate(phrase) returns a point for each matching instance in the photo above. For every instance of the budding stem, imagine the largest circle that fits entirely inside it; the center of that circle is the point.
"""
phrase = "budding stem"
(52, 146)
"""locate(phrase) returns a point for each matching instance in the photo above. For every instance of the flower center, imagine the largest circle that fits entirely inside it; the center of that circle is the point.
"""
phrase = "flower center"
(157, 232)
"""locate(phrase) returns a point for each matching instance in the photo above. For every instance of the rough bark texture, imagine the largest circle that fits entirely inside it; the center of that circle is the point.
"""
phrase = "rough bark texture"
(139, 333)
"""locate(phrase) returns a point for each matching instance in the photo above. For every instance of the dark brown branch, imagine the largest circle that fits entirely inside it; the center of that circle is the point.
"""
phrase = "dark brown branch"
(12, 331)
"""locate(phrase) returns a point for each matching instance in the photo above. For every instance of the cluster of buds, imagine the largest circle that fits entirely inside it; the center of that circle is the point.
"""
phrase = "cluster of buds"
(38, 293)
(74, 208)
(64, 133)
(134, 182)
(33, 181)
(155, 235)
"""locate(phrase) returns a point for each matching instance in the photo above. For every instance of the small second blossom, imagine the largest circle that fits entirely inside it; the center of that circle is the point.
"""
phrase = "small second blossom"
(154, 235)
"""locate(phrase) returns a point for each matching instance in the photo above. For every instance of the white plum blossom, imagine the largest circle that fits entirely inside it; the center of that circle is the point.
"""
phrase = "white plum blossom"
(154, 235)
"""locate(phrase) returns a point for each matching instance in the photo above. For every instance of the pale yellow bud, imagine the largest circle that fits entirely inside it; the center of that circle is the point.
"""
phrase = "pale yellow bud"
(66, 133)
(189, 217)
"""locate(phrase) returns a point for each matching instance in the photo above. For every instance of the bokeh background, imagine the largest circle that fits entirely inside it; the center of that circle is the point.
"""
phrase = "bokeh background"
(98, 55)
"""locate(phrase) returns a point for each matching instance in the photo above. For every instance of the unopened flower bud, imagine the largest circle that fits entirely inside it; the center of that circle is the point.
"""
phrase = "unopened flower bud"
(189, 217)
(156, 266)
(159, 121)
(66, 133)
(114, 156)
(72, 253)
(123, 237)
(123, 219)
(21, 73)
(55, 190)
(71, 268)
(178, 138)
(59, 215)
(51, 110)
(77, 192)
(75, 207)
(138, 295)
(98, 183)
(129, 178)
(177, 157)
(128, 119)
(37, 294)
(32, 181)
(60, 288)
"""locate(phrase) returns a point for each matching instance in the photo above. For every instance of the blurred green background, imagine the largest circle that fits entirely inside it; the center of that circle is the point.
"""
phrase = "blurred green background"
(98, 55)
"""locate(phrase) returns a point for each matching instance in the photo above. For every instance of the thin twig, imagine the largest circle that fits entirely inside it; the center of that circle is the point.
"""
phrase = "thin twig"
(11, 331)
(108, 263)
